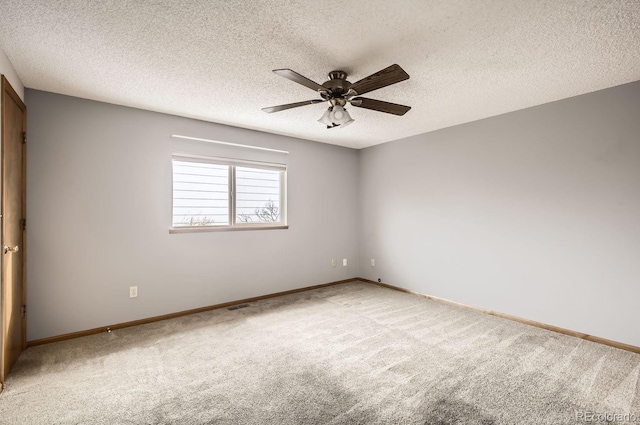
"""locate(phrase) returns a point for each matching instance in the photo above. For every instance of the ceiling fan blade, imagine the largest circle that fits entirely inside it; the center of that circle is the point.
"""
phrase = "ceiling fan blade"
(379, 105)
(297, 78)
(390, 75)
(279, 108)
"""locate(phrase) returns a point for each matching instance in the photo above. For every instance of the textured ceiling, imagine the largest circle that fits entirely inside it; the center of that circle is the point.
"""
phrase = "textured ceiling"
(212, 60)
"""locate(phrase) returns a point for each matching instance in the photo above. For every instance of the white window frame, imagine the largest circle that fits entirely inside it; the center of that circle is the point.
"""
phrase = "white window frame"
(233, 224)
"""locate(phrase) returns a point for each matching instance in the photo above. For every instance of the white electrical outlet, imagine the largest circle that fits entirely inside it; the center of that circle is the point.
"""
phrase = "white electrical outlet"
(373, 262)
(334, 262)
(133, 291)
(344, 262)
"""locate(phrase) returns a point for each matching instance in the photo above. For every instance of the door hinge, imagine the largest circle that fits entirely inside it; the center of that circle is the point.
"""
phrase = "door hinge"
(24, 137)
(23, 310)
(24, 224)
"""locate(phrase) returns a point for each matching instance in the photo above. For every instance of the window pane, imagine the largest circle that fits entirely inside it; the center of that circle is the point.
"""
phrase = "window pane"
(257, 195)
(200, 194)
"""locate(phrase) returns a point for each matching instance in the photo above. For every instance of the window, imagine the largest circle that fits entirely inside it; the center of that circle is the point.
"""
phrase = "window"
(227, 194)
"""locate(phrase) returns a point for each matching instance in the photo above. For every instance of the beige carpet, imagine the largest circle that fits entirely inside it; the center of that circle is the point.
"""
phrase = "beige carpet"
(348, 354)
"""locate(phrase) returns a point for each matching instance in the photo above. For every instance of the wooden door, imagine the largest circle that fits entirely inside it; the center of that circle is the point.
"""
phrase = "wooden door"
(13, 211)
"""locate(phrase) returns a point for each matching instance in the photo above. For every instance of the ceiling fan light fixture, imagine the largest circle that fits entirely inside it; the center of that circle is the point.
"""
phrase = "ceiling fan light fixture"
(326, 118)
(335, 116)
(339, 115)
(348, 122)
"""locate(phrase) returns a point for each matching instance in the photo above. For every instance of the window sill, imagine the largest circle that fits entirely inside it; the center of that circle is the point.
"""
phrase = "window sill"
(202, 229)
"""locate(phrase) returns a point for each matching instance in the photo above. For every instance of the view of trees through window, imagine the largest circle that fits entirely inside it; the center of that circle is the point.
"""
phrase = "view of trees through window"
(257, 195)
(201, 194)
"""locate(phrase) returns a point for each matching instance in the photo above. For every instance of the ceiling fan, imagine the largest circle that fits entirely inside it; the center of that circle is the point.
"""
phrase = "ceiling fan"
(338, 91)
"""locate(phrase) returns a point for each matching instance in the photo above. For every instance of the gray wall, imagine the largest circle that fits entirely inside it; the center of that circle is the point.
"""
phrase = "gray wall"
(535, 213)
(99, 210)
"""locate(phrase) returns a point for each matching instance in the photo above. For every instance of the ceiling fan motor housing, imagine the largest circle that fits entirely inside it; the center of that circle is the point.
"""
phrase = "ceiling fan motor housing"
(337, 85)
